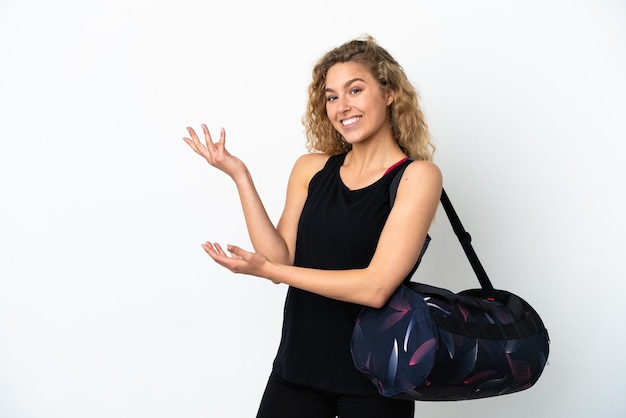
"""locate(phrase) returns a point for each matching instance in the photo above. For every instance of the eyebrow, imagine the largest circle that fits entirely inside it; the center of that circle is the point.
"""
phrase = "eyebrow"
(346, 84)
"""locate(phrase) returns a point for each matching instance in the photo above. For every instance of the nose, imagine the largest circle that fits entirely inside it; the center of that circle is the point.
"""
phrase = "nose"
(343, 106)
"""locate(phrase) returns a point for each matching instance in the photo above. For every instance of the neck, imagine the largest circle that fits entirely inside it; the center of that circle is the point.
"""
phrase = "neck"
(373, 155)
(365, 164)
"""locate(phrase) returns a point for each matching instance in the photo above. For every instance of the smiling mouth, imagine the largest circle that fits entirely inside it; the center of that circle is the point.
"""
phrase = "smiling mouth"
(351, 120)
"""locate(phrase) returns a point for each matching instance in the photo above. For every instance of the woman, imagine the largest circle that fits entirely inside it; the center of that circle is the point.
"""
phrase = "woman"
(338, 244)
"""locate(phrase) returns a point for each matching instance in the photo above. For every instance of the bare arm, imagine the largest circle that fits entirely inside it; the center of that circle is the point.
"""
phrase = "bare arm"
(263, 235)
(297, 191)
(275, 243)
(398, 248)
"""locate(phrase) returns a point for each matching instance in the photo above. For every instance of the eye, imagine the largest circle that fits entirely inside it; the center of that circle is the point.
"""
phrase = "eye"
(356, 90)
(331, 98)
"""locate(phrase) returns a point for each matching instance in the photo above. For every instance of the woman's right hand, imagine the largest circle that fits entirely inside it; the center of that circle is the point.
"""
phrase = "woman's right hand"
(215, 153)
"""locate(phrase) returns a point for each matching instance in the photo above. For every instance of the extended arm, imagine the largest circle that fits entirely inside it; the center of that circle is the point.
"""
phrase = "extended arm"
(264, 236)
(277, 244)
(398, 248)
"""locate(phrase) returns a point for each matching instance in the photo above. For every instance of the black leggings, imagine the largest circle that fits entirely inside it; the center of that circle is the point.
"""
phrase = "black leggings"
(283, 399)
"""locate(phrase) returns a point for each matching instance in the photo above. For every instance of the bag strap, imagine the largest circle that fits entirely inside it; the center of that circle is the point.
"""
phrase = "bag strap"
(464, 237)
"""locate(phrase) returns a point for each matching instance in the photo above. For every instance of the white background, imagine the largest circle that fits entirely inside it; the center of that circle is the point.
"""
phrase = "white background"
(108, 305)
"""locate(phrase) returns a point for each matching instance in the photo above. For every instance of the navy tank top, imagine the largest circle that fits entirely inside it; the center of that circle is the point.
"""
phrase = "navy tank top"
(339, 229)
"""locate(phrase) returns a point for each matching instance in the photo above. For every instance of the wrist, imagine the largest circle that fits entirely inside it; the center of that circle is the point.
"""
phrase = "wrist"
(271, 272)
(241, 175)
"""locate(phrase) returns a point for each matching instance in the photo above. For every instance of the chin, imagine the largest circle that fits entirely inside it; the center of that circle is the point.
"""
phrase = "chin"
(353, 139)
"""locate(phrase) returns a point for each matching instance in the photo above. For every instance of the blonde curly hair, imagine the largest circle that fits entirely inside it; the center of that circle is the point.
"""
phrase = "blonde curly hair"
(408, 126)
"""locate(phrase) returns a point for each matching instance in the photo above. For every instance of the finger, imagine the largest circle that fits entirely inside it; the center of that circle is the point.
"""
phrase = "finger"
(193, 140)
(215, 250)
(219, 250)
(191, 144)
(208, 139)
(208, 247)
(192, 134)
(236, 251)
(222, 142)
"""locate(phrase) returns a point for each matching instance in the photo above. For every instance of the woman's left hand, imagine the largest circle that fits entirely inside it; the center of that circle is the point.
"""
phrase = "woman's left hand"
(239, 260)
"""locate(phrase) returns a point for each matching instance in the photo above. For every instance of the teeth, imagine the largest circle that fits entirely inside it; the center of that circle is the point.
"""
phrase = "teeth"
(349, 121)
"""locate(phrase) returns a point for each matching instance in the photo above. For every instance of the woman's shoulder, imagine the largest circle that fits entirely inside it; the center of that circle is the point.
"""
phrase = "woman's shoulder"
(420, 176)
(313, 158)
(423, 168)
(308, 164)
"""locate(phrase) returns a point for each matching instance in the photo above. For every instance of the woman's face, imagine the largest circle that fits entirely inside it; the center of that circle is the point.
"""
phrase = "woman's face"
(355, 104)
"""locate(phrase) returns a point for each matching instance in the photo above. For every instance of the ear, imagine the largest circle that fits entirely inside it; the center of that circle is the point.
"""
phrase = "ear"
(390, 96)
